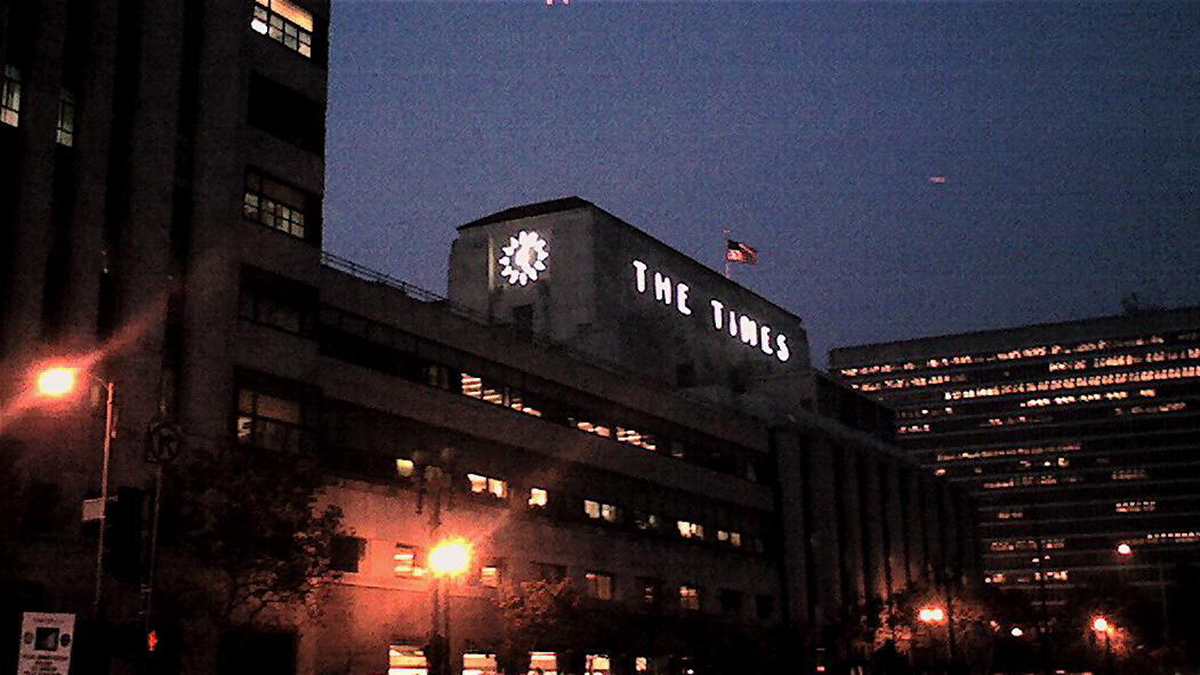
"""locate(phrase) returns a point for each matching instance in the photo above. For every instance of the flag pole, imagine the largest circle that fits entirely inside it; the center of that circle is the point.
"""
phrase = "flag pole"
(725, 254)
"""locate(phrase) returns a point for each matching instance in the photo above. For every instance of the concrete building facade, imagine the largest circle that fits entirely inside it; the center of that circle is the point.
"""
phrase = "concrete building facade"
(713, 500)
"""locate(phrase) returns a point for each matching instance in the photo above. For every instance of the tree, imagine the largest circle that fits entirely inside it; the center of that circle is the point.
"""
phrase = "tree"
(535, 614)
(251, 530)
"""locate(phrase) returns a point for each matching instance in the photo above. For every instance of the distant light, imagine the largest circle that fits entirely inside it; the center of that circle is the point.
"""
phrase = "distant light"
(938, 180)
(932, 615)
(1100, 624)
(1017, 632)
(1124, 549)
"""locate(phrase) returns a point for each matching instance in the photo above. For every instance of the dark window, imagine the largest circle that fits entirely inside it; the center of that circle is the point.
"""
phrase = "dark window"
(764, 606)
(599, 585)
(271, 415)
(731, 601)
(287, 114)
(522, 318)
(277, 301)
(10, 96)
(651, 591)
(281, 207)
(549, 572)
(685, 375)
(345, 553)
(65, 131)
(259, 653)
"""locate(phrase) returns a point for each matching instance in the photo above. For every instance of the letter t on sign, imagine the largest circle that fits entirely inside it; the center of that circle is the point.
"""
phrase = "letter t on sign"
(640, 267)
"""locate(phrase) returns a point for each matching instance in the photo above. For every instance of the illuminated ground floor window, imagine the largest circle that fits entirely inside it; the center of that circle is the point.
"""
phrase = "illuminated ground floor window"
(407, 660)
(478, 663)
(543, 663)
(597, 664)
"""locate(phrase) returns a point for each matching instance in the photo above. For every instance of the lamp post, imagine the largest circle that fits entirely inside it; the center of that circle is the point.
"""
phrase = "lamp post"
(931, 616)
(1101, 625)
(449, 559)
(1125, 552)
(58, 382)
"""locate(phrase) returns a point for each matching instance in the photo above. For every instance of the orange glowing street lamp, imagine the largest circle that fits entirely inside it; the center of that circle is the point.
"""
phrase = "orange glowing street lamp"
(1101, 625)
(932, 615)
(450, 558)
(57, 382)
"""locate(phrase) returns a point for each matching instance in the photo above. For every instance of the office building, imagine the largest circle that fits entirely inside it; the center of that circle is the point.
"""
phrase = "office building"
(1077, 439)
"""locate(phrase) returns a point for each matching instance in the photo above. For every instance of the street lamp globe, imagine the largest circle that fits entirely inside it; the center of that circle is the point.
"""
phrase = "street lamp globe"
(57, 381)
(1124, 549)
(1100, 624)
(1017, 632)
(451, 557)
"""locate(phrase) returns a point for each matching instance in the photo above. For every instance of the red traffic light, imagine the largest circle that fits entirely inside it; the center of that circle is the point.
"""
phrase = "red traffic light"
(151, 641)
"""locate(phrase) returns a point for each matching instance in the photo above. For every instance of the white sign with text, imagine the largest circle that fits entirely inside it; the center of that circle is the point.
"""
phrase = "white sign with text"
(725, 318)
(46, 641)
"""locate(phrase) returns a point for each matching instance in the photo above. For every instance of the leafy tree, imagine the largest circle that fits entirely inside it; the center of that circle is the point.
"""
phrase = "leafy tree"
(252, 538)
(535, 614)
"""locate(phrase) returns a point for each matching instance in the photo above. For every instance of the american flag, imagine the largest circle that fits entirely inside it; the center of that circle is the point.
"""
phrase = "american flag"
(740, 253)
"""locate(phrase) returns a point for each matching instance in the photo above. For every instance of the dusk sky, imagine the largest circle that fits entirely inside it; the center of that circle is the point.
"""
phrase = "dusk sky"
(1068, 136)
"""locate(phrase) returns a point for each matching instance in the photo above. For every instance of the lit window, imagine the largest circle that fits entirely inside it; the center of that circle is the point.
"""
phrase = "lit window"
(490, 574)
(10, 96)
(278, 206)
(475, 663)
(689, 597)
(690, 530)
(732, 538)
(405, 468)
(597, 664)
(284, 22)
(1130, 474)
(65, 133)
(538, 498)
(407, 660)
(641, 664)
(599, 585)
(1137, 506)
(486, 485)
(544, 662)
(404, 561)
(599, 511)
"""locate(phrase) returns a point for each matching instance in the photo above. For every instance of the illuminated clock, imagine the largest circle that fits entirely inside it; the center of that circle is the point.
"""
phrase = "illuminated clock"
(524, 258)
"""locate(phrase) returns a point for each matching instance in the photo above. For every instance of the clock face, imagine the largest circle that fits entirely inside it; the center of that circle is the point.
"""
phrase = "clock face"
(524, 258)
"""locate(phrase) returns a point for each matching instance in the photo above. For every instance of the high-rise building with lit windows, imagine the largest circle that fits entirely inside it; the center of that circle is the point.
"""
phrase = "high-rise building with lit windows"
(1080, 440)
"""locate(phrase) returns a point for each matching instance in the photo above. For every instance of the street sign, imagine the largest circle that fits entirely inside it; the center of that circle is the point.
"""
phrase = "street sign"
(46, 641)
(93, 509)
(163, 442)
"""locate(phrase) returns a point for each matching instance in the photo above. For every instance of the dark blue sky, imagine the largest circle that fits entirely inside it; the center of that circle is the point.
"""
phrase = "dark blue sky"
(1069, 136)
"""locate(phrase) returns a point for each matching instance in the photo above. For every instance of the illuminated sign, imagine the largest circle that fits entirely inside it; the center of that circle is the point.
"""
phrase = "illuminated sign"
(524, 258)
(725, 318)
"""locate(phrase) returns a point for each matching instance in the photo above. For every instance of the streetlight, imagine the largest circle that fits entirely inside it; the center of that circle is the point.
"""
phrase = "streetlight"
(932, 615)
(450, 558)
(1101, 625)
(57, 382)
(1017, 632)
(1124, 550)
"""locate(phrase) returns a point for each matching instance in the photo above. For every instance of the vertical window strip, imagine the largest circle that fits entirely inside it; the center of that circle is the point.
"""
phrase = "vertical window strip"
(10, 97)
(286, 23)
(65, 133)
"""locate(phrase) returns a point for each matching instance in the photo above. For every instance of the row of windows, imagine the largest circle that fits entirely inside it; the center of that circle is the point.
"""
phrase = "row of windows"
(1035, 352)
(409, 562)
(381, 347)
(10, 107)
(1156, 375)
(273, 421)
